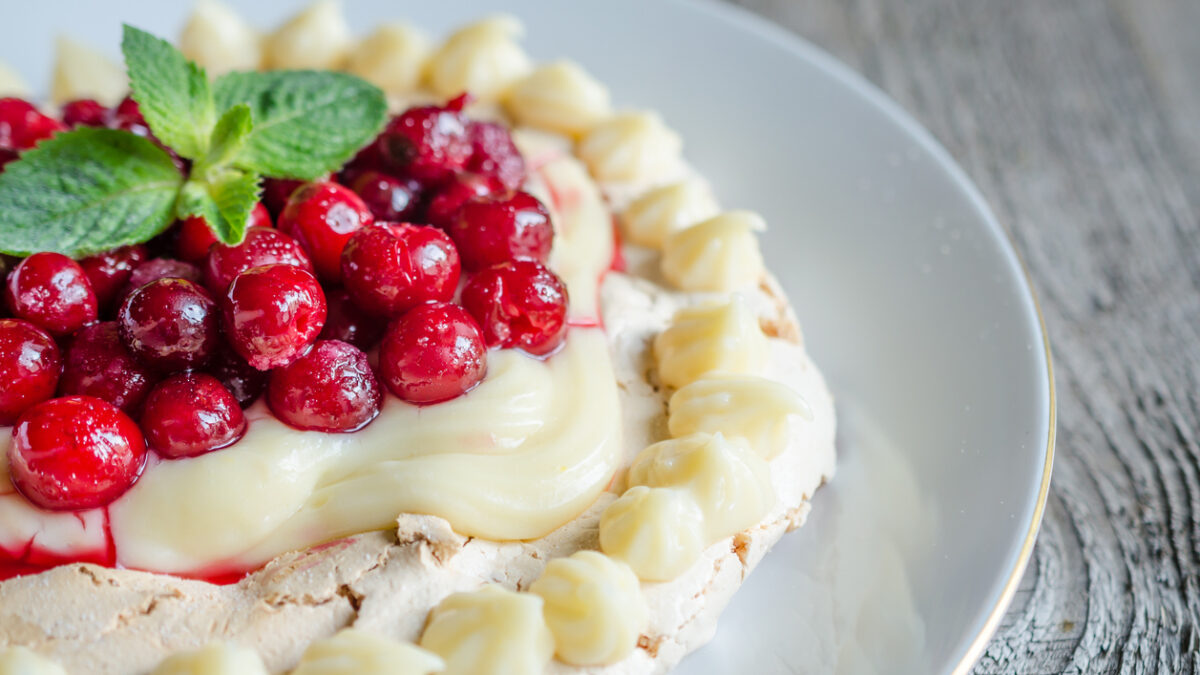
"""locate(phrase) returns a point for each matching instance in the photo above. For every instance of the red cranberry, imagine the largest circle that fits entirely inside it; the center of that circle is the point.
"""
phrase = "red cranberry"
(389, 268)
(459, 190)
(7, 156)
(110, 271)
(22, 125)
(85, 112)
(519, 304)
(159, 268)
(98, 365)
(370, 158)
(323, 217)
(127, 116)
(433, 353)
(497, 229)
(52, 291)
(194, 238)
(75, 452)
(428, 143)
(493, 153)
(245, 382)
(332, 388)
(273, 314)
(348, 323)
(191, 414)
(262, 246)
(388, 197)
(170, 324)
(30, 365)
(276, 192)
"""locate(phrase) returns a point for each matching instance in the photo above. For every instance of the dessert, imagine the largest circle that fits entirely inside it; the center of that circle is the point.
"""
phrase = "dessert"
(417, 405)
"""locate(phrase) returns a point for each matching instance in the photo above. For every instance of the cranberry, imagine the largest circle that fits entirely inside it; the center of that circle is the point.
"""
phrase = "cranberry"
(127, 116)
(194, 238)
(98, 365)
(22, 125)
(459, 190)
(273, 314)
(276, 192)
(191, 414)
(159, 268)
(370, 158)
(262, 246)
(323, 217)
(519, 304)
(30, 365)
(428, 143)
(433, 353)
(389, 268)
(52, 291)
(332, 388)
(85, 112)
(75, 452)
(7, 156)
(245, 382)
(170, 324)
(388, 197)
(110, 271)
(493, 153)
(496, 229)
(348, 323)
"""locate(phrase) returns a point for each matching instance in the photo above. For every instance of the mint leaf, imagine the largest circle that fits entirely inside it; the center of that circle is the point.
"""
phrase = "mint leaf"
(224, 201)
(173, 93)
(306, 123)
(228, 137)
(86, 191)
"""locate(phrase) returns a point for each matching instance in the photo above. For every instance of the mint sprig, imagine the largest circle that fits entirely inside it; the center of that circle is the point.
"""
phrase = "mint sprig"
(91, 190)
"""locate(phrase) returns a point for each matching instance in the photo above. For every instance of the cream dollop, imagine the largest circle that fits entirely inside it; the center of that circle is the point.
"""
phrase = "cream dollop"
(718, 254)
(631, 147)
(728, 481)
(392, 58)
(483, 58)
(356, 652)
(560, 97)
(652, 217)
(83, 72)
(11, 83)
(20, 660)
(658, 532)
(317, 38)
(745, 406)
(491, 631)
(593, 607)
(219, 658)
(712, 337)
(216, 37)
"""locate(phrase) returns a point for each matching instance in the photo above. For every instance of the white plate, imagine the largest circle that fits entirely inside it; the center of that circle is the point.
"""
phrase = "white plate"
(911, 298)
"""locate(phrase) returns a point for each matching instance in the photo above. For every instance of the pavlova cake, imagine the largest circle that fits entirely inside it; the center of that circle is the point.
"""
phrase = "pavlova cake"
(325, 355)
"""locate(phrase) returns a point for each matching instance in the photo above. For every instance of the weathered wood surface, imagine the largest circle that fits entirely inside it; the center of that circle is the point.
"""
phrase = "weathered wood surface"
(1080, 121)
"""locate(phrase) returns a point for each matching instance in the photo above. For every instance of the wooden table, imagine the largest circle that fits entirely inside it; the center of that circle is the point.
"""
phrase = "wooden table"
(1080, 121)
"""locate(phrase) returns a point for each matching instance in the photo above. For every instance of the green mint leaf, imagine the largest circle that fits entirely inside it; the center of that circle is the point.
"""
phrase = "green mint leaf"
(174, 94)
(224, 200)
(306, 123)
(86, 191)
(228, 137)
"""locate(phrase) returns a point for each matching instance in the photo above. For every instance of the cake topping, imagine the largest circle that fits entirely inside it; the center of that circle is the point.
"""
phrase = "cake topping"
(392, 58)
(390, 268)
(491, 631)
(272, 314)
(661, 212)
(262, 246)
(462, 188)
(561, 97)
(718, 254)
(99, 365)
(715, 337)
(494, 154)
(22, 126)
(317, 38)
(153, 270)
(519, 304)
(355, 652)
(500, 228)
(20, 660)
(111, 271)
(389, 198)
(194, 238)
(220, 658)
(244, 381)
(483, 58)
(346, 321)
(331, 388)
(323, 217)
(219, 40)
(30, 364)
(190, 414)
(51, 291)
(84, 112)
(658, 532)
(746, 406)
(434, 352)
(631, 146)
(429, 143)
(170, 325)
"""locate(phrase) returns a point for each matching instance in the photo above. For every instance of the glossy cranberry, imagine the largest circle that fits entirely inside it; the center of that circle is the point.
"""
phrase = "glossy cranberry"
(428, 143)
(389, 267)
(85, 112)
(497, 229)
(262, 246)
(433, 353)
(323, 217)
(493, 153)
(332, 388)
(22, 125)
(170, 324)
(276, 192)
(370, 158)
(30, 365)
(348, 323)
(190, 414)
(273, 314)
(7, 156)
(111, 271)
(194, 238)
(99, 365)
(158, 268)
(127, 116)
(388, 197)
(51, 291)
(519, 304)
(245, 382)
(459, 190)
(75, 452)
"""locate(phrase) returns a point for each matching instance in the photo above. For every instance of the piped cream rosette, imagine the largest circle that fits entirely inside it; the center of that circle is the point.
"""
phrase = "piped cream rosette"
(356, 652)
(219, 658)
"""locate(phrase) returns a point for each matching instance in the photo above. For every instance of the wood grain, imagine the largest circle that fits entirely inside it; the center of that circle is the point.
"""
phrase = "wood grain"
(1080, 121)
